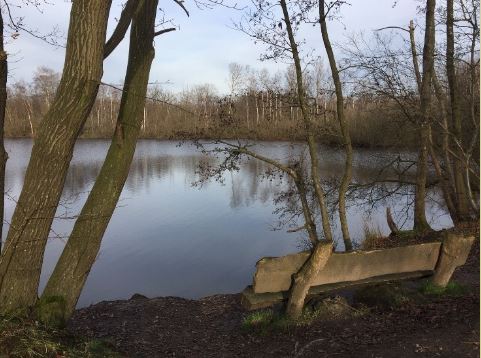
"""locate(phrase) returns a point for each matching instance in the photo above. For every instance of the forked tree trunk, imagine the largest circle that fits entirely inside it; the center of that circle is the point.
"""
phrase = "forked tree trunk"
(302, 280)
(83, 245)
(344, 125)
(311, 142)
(439, 95)
(21, 259)
(3, 105)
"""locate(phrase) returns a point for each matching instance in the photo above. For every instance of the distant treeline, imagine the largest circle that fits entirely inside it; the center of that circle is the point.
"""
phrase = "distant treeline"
(260, 106)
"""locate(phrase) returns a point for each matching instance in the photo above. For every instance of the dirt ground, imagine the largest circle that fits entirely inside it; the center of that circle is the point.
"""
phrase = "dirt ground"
(439, 326)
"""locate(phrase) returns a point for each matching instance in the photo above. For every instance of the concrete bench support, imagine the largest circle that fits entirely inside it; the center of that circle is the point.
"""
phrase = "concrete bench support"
(454, 253)
(273, 276)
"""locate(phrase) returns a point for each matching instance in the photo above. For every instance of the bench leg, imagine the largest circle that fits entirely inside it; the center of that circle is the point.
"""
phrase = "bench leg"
(454, 252)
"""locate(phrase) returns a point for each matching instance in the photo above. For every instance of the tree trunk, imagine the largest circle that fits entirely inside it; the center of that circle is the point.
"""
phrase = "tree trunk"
(311, 142)
(461, 197)
(441, 98)
(21, 260)
(439, 95)
(302, 280)
(310, 223)
(3, 105)
(414, 56)
(390, 222)
(420, 221)
(83, 245)
(347, 176)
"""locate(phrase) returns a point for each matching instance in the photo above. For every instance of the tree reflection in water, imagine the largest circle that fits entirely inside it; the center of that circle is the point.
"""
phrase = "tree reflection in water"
(170, 238)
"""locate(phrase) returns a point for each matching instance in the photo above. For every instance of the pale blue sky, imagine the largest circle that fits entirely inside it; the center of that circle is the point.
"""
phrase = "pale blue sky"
(200, 51)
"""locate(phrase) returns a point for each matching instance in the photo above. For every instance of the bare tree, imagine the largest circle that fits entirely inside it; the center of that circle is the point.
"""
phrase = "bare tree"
(83, 245)
(21, 259)
(265, 26)
(3, 105)
(347, 176)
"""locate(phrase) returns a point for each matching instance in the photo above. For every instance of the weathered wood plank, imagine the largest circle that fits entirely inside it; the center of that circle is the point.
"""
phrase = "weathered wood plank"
(252, 301)
(274, 274)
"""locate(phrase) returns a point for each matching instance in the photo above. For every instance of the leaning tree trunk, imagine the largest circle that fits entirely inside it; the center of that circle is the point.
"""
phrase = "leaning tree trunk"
(458, 167)
(347, 176)
(83, 245)
(3, 105)
(420, 221)
(302, 280)
(21, 259)
(311, 142)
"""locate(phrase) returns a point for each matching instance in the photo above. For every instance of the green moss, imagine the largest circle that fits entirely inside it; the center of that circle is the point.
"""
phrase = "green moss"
(452, 289)
(51, 311)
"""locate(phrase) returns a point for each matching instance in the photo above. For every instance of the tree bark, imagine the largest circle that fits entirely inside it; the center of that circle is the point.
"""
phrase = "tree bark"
(440, 97)
(341, 118)
(322, 250)
(3, 105)
(21, 259)
(420, 221)
(458, 166)
(414, 56)
(311, 142)
(121, 28)
(302, 280)
(83, 245)
(310, 223)
(390, 222)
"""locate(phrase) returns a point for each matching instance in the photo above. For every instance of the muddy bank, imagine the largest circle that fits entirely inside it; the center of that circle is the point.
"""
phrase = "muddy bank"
(437, 326)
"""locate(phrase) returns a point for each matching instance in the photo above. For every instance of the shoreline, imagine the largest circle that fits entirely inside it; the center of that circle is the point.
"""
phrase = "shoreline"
(438, 325)
(329, 144)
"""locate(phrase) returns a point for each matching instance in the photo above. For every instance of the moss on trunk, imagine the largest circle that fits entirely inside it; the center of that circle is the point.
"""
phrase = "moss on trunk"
(22, 257)
(83, 245)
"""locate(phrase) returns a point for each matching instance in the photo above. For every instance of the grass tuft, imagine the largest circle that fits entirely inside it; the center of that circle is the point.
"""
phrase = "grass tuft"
(23, 337)
(452, 289)
(373, 237)
(266, 321)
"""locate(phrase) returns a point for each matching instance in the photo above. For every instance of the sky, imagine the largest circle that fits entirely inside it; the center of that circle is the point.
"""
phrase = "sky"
(201, 48)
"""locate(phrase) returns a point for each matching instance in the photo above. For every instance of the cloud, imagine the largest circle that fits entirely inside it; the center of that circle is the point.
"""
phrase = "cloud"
(202, 47)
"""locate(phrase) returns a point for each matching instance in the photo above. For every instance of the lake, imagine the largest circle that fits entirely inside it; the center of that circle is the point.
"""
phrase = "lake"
(169, 238)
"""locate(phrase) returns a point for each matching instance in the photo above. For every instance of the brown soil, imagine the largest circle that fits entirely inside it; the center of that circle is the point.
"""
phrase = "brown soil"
(439, 326)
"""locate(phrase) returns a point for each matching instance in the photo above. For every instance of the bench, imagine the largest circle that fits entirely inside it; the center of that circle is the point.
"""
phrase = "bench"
(273, 275)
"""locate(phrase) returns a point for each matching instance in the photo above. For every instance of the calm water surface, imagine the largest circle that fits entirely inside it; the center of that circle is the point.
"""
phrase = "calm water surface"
(168, 238)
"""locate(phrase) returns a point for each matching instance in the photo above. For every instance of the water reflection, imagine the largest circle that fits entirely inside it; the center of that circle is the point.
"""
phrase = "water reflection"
(169, 238)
